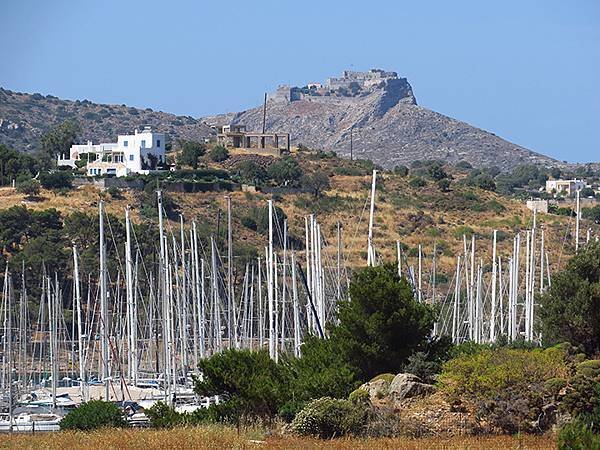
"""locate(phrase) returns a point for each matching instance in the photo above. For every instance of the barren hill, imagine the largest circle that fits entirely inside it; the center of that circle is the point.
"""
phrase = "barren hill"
(388, 125)
(25, 117)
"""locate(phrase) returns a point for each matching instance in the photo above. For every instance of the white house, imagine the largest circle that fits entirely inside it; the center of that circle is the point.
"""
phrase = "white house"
(140, 152)
(567, 186)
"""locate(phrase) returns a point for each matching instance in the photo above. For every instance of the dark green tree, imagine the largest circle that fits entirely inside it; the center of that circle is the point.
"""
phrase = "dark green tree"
(191, 151)
(251, 172)
(570, 308)
(317, 182)
(285, 170)
(251, 381)
(58, 140)
(93, 415)
(401, 171)
(219, 154)
(56, 180)
(321, 371)
(15, 165)
(382, 324)
(31, 188)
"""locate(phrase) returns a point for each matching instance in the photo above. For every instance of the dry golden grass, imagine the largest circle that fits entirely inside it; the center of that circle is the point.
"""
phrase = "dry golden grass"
(213, 437)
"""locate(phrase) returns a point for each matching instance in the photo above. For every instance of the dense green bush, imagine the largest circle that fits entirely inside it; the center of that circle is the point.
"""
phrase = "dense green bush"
(92, 415)
(485, 373)
(251, 381)
(401, 171)
(219, 154)
(191, 151)
(328, 418)
(251, 172)
(589, 368)
(507, 386)
(417, 182)
(582, 398)
(570, 308)
(56, 180)
(285, 171)
(162, 415)
(577, 435)
(31, 188)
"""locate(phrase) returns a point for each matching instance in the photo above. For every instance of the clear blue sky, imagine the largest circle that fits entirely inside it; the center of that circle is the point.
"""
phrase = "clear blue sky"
(528, 71)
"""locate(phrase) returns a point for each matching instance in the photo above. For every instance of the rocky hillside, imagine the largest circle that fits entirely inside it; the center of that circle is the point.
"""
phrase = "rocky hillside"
(25, 117)
(388, 128)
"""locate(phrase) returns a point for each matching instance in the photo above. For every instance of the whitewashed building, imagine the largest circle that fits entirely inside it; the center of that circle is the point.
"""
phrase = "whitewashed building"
(566, 186)
(141, 152)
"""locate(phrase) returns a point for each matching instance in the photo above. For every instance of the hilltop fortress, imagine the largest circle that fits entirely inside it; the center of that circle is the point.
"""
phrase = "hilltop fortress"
(352, 84)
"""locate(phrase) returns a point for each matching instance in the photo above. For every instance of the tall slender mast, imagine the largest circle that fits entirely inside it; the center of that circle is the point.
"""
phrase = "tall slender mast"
(79, 323)
(494, 277)
(270, 276)
(131, 325)
(370, 248)
(104, 328)
(163, 296)
(577, 215)
(230, 316)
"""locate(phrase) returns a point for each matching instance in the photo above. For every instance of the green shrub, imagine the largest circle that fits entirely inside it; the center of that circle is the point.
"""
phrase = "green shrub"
(507, 386)
(389, 377)
(31, 188)
(93, 415)
(485, 373)
(417, 182)
(401, 171)
(577, 435)
(569, 308)
(582, 396)
(555, 385)
(463, 230)
(359, 397)
(162, 415)
(254, 385)
(589, 368)
(249, 223)
(327, 418)
(115, 192)
(219, 154)
(56, 180)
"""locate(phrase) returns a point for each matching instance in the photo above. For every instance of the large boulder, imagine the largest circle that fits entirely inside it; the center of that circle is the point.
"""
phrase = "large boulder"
(377, 389)
(407, 385)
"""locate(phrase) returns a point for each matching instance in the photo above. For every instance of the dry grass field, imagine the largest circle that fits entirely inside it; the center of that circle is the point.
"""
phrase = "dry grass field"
(216, 437)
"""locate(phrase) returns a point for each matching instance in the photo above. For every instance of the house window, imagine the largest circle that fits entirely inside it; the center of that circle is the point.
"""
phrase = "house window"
(125, 144)
(131, 157)
(143, 143)
(158, 142)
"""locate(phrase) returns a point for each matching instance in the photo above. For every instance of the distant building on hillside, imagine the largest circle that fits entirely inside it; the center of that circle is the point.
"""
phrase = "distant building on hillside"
(567, 187)
(363, 79)
(141, 152)
(269, 143)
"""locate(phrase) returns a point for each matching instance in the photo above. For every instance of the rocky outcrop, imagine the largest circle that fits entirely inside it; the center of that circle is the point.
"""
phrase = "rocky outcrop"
(407, 385)
(387, 126)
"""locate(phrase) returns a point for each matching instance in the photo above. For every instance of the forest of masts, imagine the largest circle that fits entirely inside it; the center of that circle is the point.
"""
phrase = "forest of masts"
(157, 319)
